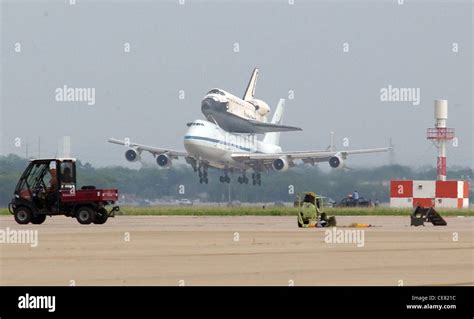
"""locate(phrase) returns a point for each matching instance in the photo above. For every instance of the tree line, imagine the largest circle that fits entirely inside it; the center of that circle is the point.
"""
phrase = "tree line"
(181, 182)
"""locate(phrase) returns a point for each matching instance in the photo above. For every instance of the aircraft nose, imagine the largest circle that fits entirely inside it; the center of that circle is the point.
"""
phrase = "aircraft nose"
(211, 105)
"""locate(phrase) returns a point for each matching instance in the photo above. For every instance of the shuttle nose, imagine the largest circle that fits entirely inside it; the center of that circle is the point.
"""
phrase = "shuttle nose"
(210, 105)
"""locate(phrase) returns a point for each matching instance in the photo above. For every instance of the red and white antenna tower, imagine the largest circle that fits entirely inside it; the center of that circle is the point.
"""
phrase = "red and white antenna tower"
(440, 134)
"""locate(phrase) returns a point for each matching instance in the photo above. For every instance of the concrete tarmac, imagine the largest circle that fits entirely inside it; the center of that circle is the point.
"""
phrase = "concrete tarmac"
(238, 250)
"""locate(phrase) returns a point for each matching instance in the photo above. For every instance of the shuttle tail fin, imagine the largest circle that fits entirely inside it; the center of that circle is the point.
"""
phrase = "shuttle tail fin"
(250, 91)
(274, 137)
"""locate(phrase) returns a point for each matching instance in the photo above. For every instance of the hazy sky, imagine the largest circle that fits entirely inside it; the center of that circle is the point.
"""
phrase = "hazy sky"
(191, 47)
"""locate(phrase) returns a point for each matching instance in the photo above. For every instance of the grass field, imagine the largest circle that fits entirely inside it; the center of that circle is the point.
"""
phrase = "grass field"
(270, 211)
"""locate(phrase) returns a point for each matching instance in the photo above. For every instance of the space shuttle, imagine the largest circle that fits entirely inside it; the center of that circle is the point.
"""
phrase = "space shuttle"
(246, 115)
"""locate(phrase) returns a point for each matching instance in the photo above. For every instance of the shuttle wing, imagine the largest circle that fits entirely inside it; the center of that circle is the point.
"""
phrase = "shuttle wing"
(151, 149)
(236, 124)
(264, 127)
(304, 156)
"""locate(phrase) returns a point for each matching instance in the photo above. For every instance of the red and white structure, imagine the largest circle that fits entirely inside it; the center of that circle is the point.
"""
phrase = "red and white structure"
(440, 134)
(440, 193)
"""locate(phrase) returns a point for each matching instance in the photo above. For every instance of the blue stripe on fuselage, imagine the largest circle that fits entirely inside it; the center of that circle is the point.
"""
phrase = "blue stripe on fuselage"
(192, 137)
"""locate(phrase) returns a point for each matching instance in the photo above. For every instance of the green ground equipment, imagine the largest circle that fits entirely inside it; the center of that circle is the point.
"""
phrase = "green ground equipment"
(310, 211)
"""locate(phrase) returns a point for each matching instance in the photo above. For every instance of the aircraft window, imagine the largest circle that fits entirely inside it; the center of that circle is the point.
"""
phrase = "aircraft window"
(67, 173)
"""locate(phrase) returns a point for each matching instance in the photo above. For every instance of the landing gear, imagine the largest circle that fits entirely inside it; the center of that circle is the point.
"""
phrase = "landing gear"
(225, 178)
(202, 171)
(243, 179)
(256, 179)
(194, 166)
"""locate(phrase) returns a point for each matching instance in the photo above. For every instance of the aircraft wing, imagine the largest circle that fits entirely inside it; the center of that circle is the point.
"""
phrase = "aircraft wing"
(304, 156)
(151, 149)
(264, 127)
(236, 124)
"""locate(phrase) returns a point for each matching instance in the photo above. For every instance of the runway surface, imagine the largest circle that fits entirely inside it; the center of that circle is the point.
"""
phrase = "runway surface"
(162, 250)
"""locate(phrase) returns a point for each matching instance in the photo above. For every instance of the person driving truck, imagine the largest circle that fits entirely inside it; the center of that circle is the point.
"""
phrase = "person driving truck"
(52, 190)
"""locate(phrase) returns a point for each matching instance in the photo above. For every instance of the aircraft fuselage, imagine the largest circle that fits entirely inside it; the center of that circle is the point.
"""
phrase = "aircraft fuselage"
(212, 144)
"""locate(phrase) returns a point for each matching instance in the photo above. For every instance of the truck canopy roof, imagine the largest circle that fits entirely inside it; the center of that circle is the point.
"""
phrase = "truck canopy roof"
(61, 159)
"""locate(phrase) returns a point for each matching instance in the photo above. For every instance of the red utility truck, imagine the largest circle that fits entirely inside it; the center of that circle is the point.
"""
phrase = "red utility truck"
(48, 187)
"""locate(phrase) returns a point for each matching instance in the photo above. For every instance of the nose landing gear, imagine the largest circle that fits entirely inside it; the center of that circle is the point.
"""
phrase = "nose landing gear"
(202, 172)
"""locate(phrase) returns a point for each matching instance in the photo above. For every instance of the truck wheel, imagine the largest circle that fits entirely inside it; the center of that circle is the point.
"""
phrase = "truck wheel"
(85, 215)
(38, 219)
(23, 215)
(101, 216)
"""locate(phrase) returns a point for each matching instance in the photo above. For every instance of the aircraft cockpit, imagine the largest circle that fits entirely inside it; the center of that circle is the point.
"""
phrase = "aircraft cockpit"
(216, 91)
(194, 124)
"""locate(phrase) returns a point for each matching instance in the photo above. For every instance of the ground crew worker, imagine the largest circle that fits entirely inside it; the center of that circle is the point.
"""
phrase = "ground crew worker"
(51, 192)
(355, 195)
(53, 183)
(307, 211)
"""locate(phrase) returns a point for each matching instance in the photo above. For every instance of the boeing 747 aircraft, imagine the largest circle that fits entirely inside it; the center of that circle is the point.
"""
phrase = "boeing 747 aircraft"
(209, 146)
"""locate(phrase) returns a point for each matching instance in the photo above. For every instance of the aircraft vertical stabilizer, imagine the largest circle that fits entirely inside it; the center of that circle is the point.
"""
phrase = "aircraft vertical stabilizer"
(274, 137)
(250, 91)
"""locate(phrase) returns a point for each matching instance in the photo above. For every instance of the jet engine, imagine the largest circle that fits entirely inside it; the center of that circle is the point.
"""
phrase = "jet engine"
(163, 160)
(336, 161)
(132, 155)
(281, 164)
